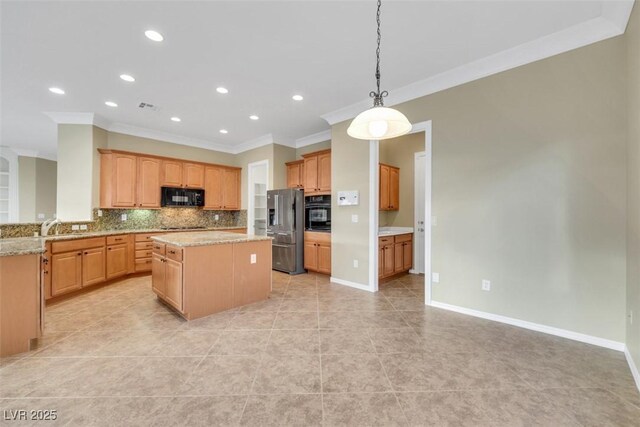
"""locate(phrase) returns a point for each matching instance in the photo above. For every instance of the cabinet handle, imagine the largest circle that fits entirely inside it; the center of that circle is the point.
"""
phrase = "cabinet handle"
(108, 249)
(79, 253)
(117, 239)
(148, 261)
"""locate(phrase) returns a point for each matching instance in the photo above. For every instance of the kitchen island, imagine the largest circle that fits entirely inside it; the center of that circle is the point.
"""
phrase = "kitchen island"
(201, 273)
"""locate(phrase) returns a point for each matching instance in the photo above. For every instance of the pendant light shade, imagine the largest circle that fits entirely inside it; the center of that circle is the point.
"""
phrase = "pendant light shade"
(379, 123)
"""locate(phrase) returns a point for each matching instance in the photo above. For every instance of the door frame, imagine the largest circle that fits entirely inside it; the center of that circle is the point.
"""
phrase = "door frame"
(250, 190)
(374, 196)
(417, 208)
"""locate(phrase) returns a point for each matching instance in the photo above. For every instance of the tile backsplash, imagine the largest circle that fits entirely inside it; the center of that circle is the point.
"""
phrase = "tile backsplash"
(111, 219)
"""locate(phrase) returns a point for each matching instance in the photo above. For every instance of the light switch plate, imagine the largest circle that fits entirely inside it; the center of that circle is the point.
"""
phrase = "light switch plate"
(99, 212)
(123, 217)
(216, 217)
(354, 218)
(435, 277)
(355, 263)
(254, 258)
(40, 216)
(75, 227)
(83, 226)
(486, 285)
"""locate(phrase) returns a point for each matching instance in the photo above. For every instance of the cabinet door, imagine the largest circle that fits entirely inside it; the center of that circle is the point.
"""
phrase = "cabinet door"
(171, 173)
(173, 280)
(311, 174)
(213, 185)
(384, 187)
(93, 266)
(389, 259)
(380, 261)
(394, 189)
(398, 252)
(311, 256)
(124, 180)
(148, 194)
(407, 256)
(158, 282)
(293, 175)
(117, 260)
(324, 172)
(231, 189)
(66, 272)
(193, 175)
(324, 258)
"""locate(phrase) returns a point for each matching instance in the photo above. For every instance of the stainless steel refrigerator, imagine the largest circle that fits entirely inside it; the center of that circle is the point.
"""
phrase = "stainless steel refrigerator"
(285, 223)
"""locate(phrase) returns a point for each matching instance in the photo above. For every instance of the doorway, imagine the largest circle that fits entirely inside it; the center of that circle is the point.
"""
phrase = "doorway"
(257, 181)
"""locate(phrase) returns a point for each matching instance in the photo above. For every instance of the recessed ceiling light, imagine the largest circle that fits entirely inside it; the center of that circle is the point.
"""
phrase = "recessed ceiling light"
(254, 117)
(110, 104)
(127, 78)
(224, 131)
(297, 97)
(154, 35)
(222, 90)
(176, 119)
(56, 90)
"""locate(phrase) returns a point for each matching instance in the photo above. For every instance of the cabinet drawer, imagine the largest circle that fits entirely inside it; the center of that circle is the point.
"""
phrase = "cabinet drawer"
(174, 253)
(404, 238)
(385, 240)
(158, 248)
(143, 264)
(116, 240)
(76, 245)
(146, 253)
(144, 245)
(310, 236)
(146, 237)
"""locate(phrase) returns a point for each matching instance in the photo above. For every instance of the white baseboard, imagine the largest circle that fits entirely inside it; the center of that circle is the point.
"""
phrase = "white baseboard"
(632, 366)
(350, 284)
(412, 271)
(576, 336)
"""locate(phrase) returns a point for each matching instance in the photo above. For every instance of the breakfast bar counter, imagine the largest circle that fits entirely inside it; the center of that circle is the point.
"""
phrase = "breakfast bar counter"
(202, 273)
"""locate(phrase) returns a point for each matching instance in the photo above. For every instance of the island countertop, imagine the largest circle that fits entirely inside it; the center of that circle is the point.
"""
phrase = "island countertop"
(21, 246)
(206, 238)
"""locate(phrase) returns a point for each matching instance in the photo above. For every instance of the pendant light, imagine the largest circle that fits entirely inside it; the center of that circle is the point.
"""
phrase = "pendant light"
(379, 122)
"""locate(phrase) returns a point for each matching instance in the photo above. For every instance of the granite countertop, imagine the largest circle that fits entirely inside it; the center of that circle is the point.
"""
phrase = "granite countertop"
(206, 238)
(394, 231)
(35, 245)
(21, 246)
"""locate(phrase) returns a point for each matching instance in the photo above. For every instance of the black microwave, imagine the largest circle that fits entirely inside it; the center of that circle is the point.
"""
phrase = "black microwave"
(182, 197)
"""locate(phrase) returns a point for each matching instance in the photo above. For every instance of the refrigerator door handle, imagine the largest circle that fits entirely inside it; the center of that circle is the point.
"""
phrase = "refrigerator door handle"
(277, 217)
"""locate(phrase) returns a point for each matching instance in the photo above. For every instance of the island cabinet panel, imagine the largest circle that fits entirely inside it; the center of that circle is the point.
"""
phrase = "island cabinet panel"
(158, 274)
(208, 275)
(171, 173)
(148, 191)
(193, 175)
(173, 283)
(20, 303)
(251, 272)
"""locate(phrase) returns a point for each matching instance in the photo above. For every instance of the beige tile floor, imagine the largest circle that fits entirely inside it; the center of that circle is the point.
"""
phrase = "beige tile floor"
(314, 354)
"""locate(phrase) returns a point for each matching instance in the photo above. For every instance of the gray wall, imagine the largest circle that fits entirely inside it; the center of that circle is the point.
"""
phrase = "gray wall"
(633, 190)
(36, 188)
(529, 187)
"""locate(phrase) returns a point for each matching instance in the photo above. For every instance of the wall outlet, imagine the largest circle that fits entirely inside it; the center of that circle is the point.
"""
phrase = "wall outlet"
(75, 227)
(435, 277)
(631, 317)
(35, 234)
(354, 218)
(486, 285)
(434, 220)
(83, 226)
(355, 263)
(254, 258)
(216, 217)
(99, 212)
(123, 217)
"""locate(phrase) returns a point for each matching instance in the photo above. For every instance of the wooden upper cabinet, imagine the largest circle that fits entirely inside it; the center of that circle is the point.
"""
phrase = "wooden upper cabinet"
(389, 188)
(171, 173)
(193, 175)
(213, 183)
(317, 172)
(295, 174)
(231, 200)
(148, 192)
(124, 180)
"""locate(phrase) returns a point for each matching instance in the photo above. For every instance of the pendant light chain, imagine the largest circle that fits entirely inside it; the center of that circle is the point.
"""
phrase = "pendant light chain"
(377, 96)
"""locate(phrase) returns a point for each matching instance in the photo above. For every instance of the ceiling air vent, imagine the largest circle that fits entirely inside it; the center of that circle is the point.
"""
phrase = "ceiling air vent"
(147, 106)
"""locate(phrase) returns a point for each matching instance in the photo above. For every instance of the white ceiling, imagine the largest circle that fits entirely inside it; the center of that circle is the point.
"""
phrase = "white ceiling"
(263, 52)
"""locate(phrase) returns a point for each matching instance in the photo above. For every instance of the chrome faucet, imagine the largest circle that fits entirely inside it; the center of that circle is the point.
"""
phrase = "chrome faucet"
(46, 226)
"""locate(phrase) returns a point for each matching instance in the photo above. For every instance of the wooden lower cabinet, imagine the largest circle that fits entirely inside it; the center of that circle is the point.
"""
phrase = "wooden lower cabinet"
(93, 266)
(173, 281)
(66, 272)
(117, 260)
(395, 255)
(317, 252)
(158, 281)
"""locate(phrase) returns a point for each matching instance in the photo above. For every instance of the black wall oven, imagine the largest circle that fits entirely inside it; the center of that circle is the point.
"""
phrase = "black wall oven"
(182, 197)
(317, 213)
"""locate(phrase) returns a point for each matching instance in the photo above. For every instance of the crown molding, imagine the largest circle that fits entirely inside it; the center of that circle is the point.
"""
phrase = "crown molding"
(325, 135)
(254, 143)
(612, 22)
(65, 118)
